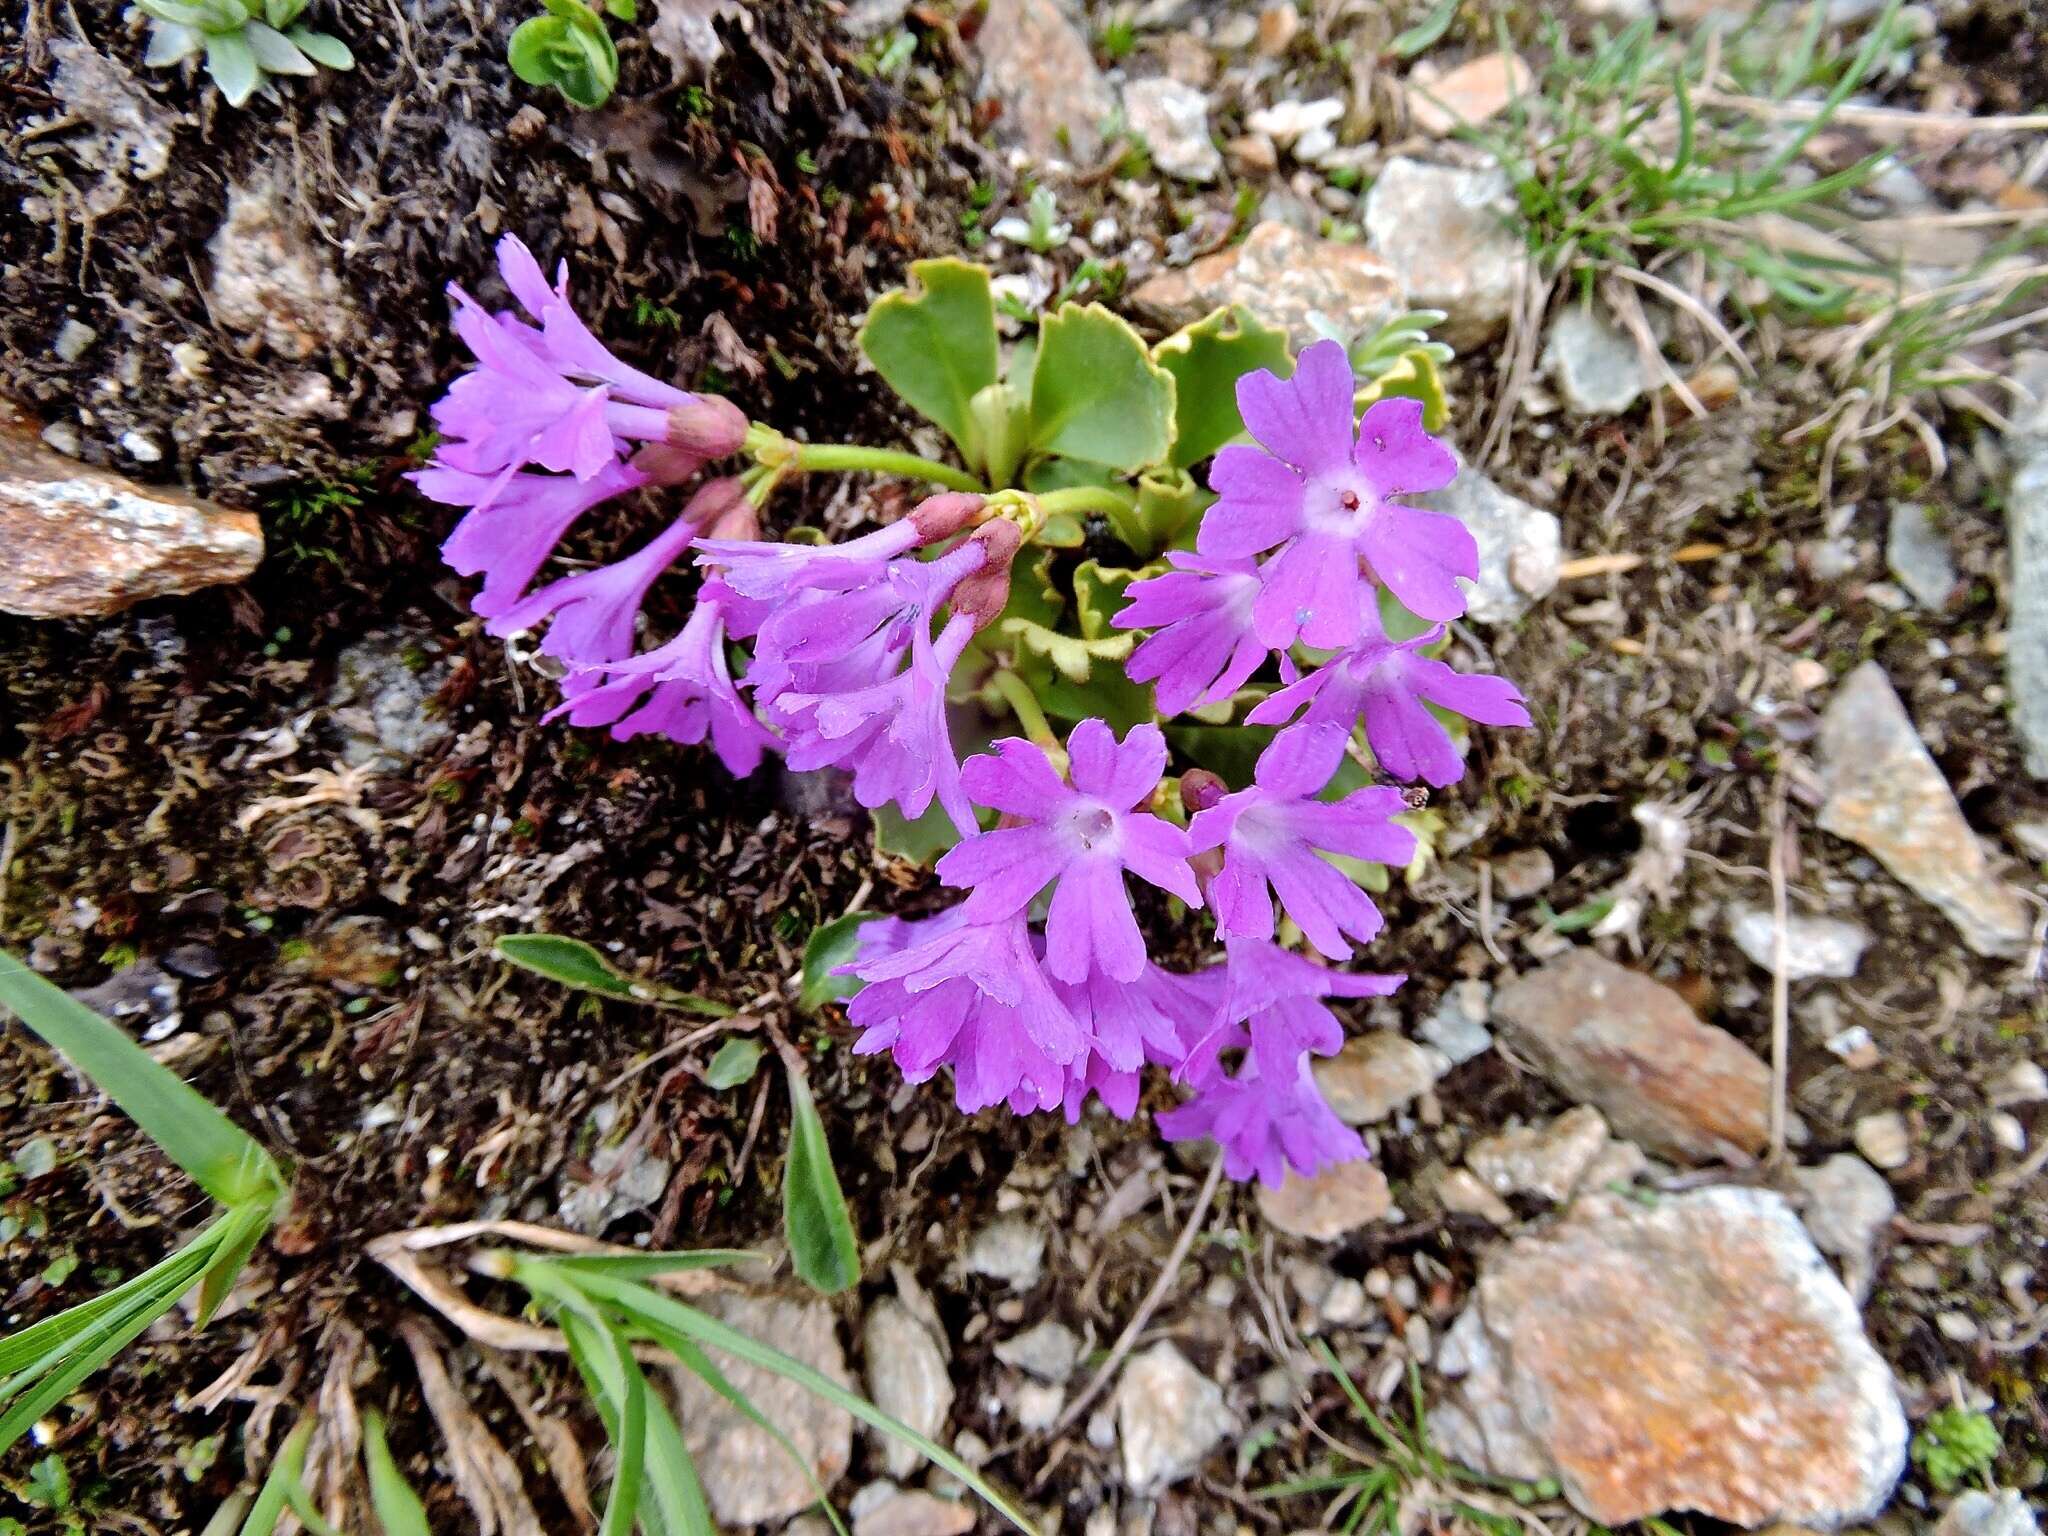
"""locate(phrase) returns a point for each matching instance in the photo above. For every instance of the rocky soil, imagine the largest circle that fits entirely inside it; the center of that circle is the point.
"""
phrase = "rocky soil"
(267, 794)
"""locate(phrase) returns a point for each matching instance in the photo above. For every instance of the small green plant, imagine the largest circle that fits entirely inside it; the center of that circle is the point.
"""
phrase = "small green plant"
(1956, 1445)
(44, 1363)
(570, 49)
(1118, 38)
(398, 1509)
(1407, 1484)
(244, 42)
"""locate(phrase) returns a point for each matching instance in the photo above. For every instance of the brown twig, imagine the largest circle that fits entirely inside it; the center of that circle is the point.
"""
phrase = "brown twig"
(1781, 987)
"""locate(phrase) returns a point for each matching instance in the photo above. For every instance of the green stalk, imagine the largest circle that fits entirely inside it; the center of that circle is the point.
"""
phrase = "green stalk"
(1101, 500)
(1024, 705)
(847, 457)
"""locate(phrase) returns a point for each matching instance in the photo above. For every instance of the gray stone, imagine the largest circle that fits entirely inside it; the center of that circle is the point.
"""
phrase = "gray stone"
(1695, 1354)
(1814, 946)
(83, 542)
(1520, 547)
(748, 1476)
(1546, 1160)
(1882, 790)
(1038, 64)
(1173, 120)
(906, 1371)
(1048, 1351)
(1284, 277)
(1375, 1074)
(883, 1509)
(1848, 1203)
(73, 338)
(2026, 521)
(1596, 366)
(2004, 1513)
(1448, 233)
(1885, 1138)
(272, 282)
(1462, 1193)
(1458, 1026)
(1169, 1417)
(381, 702)
(1009, 1250)
(133, 136)
(1917, 552)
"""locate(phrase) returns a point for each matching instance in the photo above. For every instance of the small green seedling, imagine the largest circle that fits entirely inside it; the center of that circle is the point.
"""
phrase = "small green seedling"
(245, 42)
(1956, 1445)
(570, 49)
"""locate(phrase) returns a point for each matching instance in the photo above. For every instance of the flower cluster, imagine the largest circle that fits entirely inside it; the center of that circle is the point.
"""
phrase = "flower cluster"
(1035, 987)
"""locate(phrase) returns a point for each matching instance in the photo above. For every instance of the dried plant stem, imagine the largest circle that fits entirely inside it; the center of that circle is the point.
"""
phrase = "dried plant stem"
(1781, 987)
(1167, 1273)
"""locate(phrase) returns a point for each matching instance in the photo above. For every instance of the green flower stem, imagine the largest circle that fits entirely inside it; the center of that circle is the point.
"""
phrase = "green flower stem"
(1017, 694)
(1082, 500)
(881, 461)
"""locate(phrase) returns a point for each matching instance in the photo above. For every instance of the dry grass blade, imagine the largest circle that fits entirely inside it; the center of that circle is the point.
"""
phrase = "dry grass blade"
(566, 1463)
(484, 1474)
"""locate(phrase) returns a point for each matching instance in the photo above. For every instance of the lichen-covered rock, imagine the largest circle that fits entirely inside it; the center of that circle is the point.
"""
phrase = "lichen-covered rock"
(272, 282)
(1617, 1039)
(1169, 1417)
(1521, 546)
(82, 542)
(748, 1476)
(1547, 1160)
(907, 1379)
(1694, 1354)
(1282, 276)
(1172, 118)
(1447, 233)
(1882, 790)
(1377, 1073)
(1038, 64)
(1340, 1199)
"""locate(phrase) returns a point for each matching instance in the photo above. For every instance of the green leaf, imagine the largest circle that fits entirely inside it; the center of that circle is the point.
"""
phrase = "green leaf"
(634, 1266)
(1073, 656)
(276, 53)
(1063, 530)
(285, 1471)
(1096, 394)
(1206, 360)
(323, 48)
(920, 841)
(1098, 595)
(231, 64)
(830, 946)
(999, 431)
(576, 964)
(814, 1216)
(1415, 376)
(221, 1158)
(935, 343)
(1427, 32)
(530, 53)
(734, 1063)
(399, 1510)
(1167, 512)
(171, 43)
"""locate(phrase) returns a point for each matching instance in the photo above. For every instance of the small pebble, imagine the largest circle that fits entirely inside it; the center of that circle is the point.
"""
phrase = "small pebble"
(2007, 1131)
(73, 337)
(1344, 1304)
(1957, 1326)
(1884, 1140)
(141, 447)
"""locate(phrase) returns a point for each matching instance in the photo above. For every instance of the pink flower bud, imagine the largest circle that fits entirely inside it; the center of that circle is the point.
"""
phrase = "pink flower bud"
(709, 425)
(942, 516)
(1200, 789)
(714, 505)
(984, 594)
(666, 464)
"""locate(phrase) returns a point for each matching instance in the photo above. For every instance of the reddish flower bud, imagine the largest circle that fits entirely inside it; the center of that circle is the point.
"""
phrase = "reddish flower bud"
(1200, 789)
(710, 425)
(983, 595)
(715, 503)
(666, 464)
(942, 516)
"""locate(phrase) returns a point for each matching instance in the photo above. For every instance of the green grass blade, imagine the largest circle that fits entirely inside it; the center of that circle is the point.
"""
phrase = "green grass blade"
(814, 1216)
(399, 1510)
(276, 1491)
(666, 1312)
(614, 1377)
(1851, 80)
(678, 1493)
(576, 964)
(222, 1159)
(248, 1223)
(636, 1266)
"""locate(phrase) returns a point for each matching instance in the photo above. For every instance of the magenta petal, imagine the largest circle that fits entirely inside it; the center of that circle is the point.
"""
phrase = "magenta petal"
(1418, 554)
(1309, 592)
(1396, 455)
(1004, 869)
(1260, 504)
(1305, 420)
(1299, 761)
(1157, 852)
(1405, 737)
(1014, 777)
(522, 274)
(1476, 696)
(1090, 923)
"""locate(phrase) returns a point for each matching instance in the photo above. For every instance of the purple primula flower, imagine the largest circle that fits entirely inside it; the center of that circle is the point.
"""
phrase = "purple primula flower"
(1079, 837)
(972, 998)
(1270, 835)
(1153, 1019)
(515, 522)
(552, 394)
(1204, 649)
(889, 935)
(1276, 999)
(777, 572)
(593, 611)
(1321, 497)
(1386, 683)
(683, 690)
(1265, 1123)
